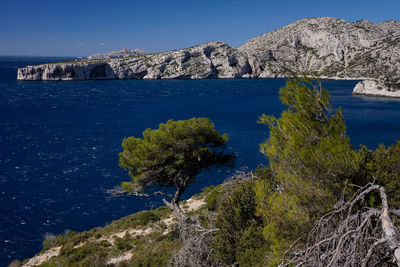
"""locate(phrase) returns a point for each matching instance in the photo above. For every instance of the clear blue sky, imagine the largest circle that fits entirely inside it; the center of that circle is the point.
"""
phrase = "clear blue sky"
(80, 28)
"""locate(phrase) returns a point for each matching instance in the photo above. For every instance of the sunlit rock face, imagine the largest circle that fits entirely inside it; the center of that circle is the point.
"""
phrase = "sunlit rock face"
(376, 88)
(329, 47)
(210, 60)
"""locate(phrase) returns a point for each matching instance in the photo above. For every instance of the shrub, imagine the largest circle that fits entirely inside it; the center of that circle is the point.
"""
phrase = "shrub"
(15, 263)
(240, 233)
(156, 250)
(212, 195)
(384, 165)
(123, 244)
(49, 241)
(86, 255)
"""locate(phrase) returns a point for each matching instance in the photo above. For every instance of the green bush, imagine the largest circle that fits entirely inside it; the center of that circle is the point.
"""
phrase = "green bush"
(15, 263)
(124, 244)
(49, 241)
(239, 226)
(252, 247)
(156, 250)
(212, 195)
(384, 166)
(145, 217)
(90, 254)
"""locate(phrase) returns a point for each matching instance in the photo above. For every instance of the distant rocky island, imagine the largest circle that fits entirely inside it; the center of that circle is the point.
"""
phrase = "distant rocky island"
(329, 47)
(126, 52)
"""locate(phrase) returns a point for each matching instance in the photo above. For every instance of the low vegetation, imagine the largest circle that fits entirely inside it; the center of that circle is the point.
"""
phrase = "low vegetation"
(318, 202)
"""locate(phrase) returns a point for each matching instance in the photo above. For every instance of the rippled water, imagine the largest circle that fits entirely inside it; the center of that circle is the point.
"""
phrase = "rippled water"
(60, 141)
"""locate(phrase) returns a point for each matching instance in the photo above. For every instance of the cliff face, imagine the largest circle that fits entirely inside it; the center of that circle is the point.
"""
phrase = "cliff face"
(210, 60)
(376, 88)
(330, 47)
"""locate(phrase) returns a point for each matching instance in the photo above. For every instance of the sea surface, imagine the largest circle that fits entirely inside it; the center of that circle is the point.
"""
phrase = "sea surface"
(59, 142)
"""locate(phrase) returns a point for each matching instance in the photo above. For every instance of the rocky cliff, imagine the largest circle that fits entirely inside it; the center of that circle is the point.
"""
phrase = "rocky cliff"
(126, 52)
(329, 47)
(210, 60)
(376, 88)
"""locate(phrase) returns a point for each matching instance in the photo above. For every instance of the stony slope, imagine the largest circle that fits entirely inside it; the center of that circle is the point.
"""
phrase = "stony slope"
(330, 47)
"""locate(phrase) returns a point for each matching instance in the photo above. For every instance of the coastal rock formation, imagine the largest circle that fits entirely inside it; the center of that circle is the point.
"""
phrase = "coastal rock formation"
(329, 47)
(376, 88)
(210, 60)
(126, 52)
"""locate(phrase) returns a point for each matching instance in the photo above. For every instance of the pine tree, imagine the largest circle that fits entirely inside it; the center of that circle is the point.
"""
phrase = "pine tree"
(311, 158)
(172, 156)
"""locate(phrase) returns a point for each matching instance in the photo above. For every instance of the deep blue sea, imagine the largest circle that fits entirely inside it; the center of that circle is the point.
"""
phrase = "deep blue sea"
(59, 142)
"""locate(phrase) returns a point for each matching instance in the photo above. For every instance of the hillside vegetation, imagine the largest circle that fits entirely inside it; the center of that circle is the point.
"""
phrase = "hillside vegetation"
(318, 202)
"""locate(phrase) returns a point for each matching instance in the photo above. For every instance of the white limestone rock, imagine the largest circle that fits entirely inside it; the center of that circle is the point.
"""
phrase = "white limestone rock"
(329, 47)
(375, 88)
(126, 52)
(67, 71)
(210, 60)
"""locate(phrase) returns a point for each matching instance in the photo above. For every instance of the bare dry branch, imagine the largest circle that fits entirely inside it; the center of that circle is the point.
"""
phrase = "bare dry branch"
(196, 239)
(196, 250)
(351, 235)
(395, 212)
(118, 191)
(371, 250)
(388, 227)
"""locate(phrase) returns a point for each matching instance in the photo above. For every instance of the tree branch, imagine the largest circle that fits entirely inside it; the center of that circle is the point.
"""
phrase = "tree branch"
(348, 236)
(395, 212)
(388, 227)
(161, 193)
(118, 191)
(339, 245)
(196, 249)
(371, 250)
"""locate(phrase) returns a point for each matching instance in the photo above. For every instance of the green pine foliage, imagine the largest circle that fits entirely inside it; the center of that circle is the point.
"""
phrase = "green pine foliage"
(240, 237)
(309, 140)
(384, 166)
(176, 150)
(310, 157)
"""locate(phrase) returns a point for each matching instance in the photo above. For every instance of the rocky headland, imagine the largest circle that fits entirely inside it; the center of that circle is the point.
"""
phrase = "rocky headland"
(329, 47)
(377, 88)
(126, 52)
